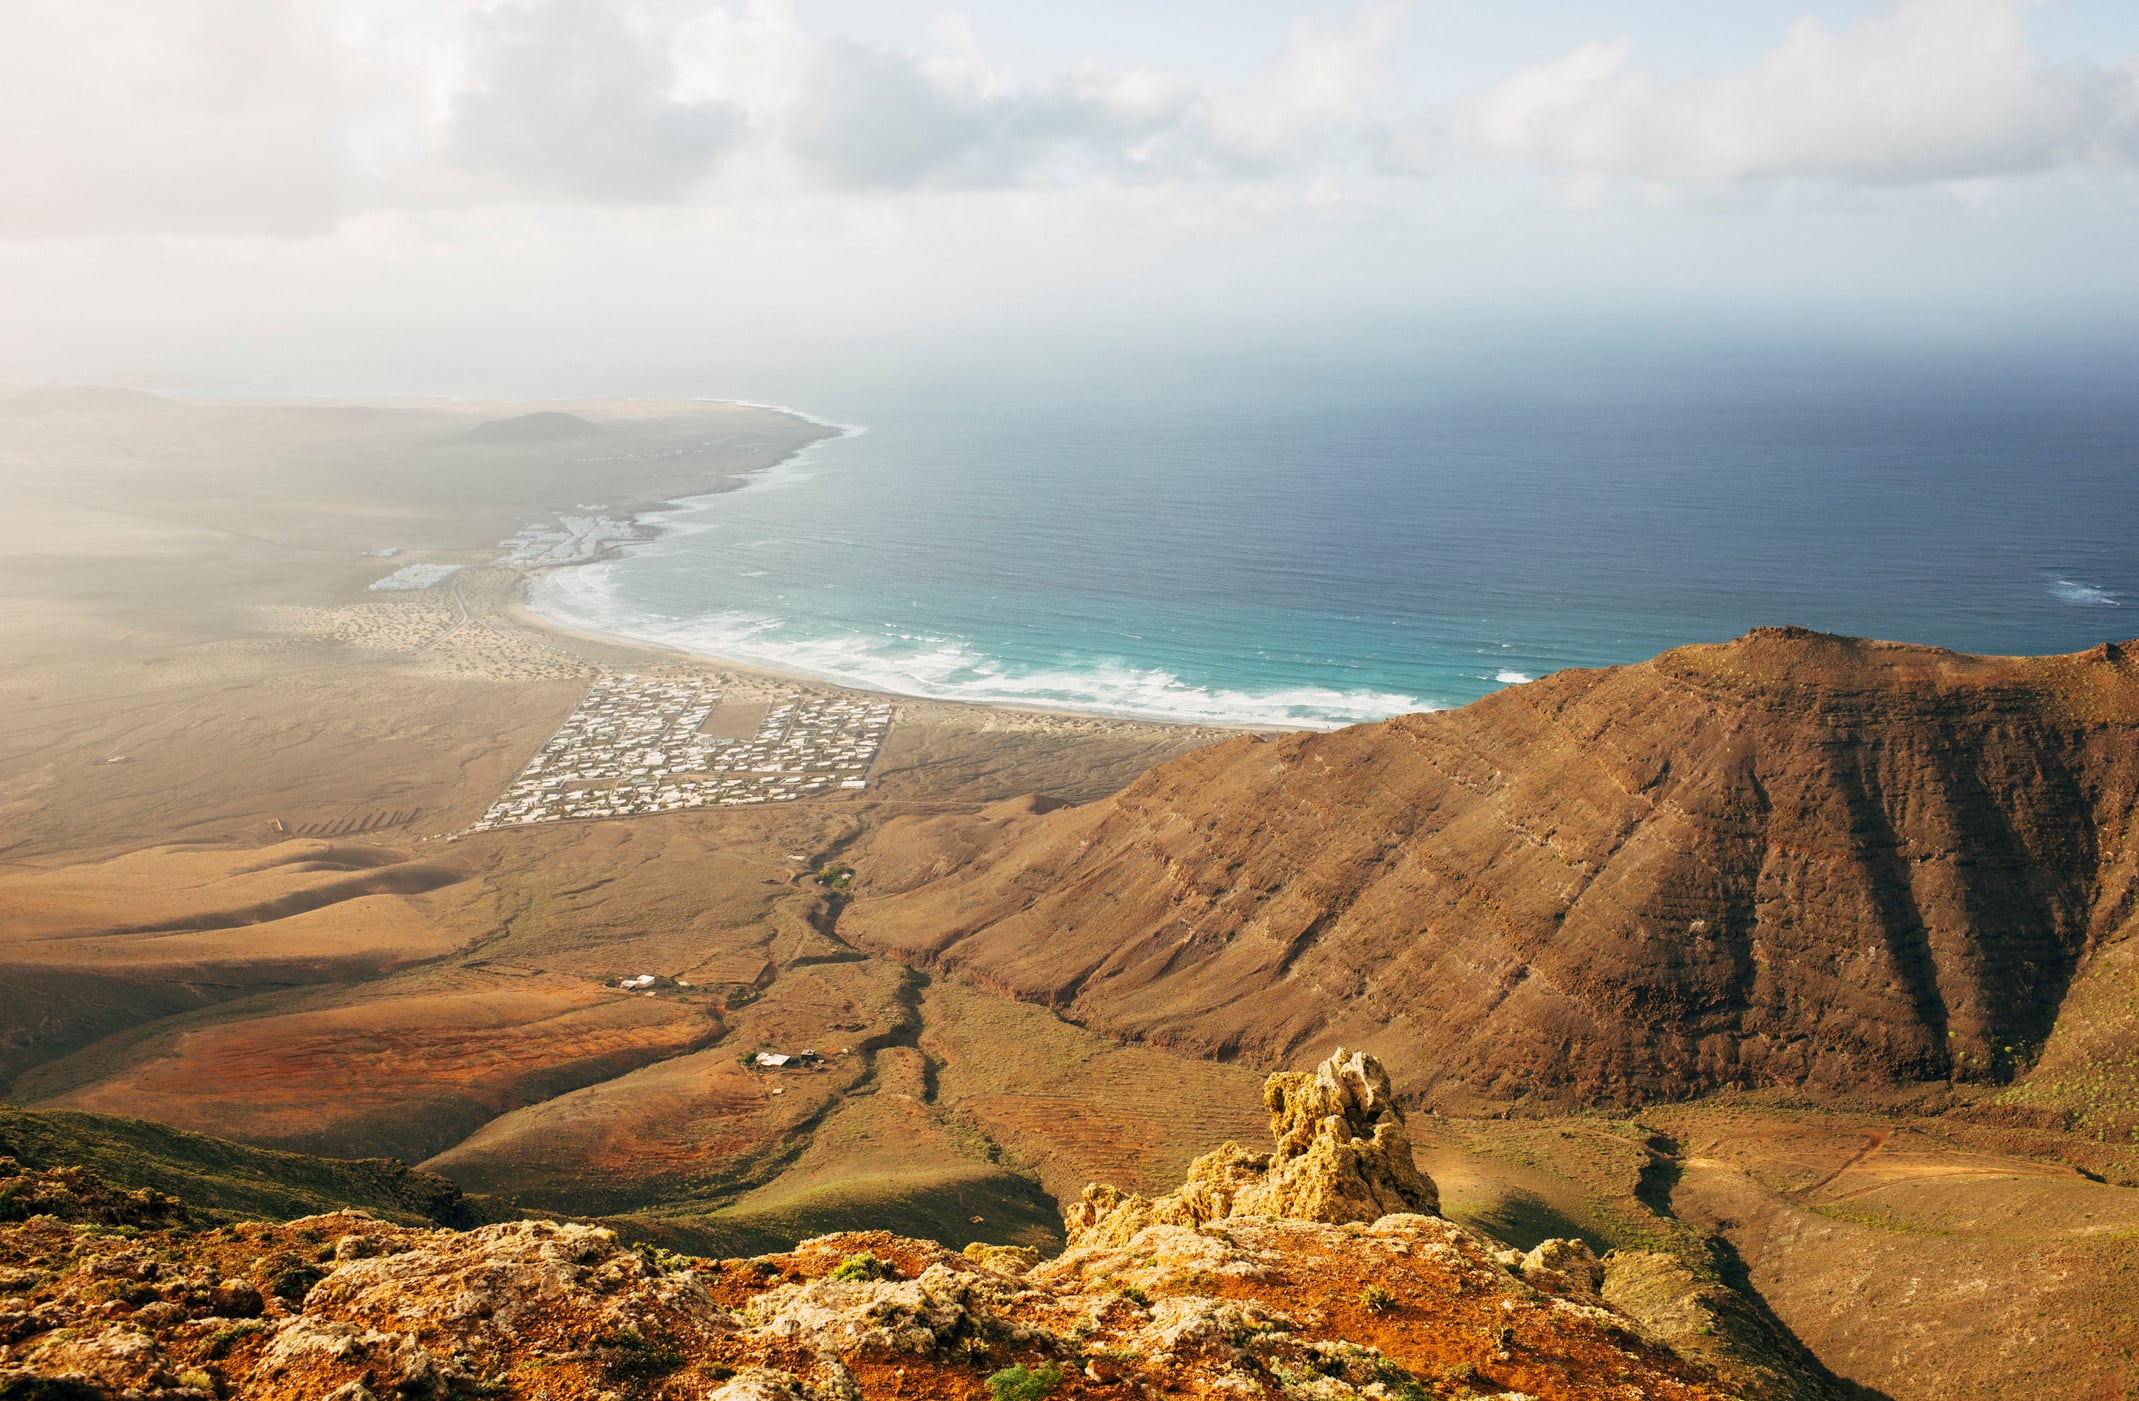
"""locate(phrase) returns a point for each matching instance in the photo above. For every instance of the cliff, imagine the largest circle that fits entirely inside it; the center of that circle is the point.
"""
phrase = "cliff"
(1792, 859)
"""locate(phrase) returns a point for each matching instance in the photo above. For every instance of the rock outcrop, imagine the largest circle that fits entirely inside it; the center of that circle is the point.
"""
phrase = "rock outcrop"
(1253, 1306)
(1750, 1353)
(1342, 1155)
(352, 1308)
(1789, 860)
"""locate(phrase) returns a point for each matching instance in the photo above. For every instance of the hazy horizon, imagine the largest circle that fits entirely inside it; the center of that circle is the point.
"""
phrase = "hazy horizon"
(538, 197)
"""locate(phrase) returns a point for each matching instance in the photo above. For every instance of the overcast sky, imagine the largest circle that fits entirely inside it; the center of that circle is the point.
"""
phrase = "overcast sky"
(549, 196)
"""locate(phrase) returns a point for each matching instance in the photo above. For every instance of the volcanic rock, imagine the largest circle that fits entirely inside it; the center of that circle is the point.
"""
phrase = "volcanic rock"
(1342, 1155)
(1238, 1306)
(1793, 859)
(1563, 1267)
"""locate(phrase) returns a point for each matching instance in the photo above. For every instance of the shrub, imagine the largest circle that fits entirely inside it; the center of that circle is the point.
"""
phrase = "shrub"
(626, 1356)
(218, 1343)
(1020, 1383)
(293, 1281)
(1375, 1299)
(863, 1268)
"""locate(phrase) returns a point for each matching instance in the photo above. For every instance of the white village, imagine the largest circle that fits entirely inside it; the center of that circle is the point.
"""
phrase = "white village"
(637, 745)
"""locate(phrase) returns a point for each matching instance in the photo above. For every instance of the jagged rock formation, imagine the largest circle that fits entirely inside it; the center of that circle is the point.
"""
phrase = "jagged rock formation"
(1248, 1307)
(1792, 859)
(1342, 1155)
(1559, 1266)
(352, 1308)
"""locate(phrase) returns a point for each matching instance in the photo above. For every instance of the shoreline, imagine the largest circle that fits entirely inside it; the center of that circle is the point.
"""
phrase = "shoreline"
(643, 516)
(645, 519)
(527, 616)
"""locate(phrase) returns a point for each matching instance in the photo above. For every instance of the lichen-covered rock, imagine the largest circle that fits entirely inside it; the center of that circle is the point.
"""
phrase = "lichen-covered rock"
(911, 1315)
(1562, 1267)
(113, 1356)
(758, 1384)
(1003, 1259)
(1343, 1154)
(1227, 1304)
(396, 1361)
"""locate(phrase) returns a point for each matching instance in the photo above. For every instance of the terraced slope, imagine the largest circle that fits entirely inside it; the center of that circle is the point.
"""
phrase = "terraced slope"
(1791, 859)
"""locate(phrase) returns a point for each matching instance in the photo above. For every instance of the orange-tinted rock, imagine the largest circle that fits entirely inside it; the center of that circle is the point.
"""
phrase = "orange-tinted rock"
(1342, 1155)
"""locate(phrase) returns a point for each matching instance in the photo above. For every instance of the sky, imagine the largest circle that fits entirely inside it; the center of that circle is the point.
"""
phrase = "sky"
(654, 196)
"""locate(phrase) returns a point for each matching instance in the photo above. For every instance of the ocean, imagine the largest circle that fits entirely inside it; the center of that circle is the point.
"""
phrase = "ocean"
(1276, 545)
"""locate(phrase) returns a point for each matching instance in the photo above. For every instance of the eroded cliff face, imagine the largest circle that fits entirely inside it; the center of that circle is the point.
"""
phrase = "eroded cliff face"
(1792, 859)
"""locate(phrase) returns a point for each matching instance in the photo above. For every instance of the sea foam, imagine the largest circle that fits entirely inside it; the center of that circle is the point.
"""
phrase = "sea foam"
(2075, 592)
(939, 668)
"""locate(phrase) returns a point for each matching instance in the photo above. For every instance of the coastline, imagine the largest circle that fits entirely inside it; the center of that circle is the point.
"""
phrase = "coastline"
(647, 526)
(642, 517)
(527, 616)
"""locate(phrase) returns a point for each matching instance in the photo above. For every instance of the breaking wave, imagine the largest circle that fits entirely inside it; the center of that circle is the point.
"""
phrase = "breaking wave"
(2084, 595)
(944, 669)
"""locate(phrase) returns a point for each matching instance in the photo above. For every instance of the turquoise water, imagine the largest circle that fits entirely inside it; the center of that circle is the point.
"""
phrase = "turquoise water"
(1312, 550)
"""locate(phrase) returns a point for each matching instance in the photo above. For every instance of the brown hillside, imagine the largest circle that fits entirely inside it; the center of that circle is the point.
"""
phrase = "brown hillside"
(1790, 859)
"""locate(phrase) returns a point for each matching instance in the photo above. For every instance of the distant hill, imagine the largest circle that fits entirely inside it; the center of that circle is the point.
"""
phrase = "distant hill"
(224, 1178)
(545, 426)
(82, 401)
(1793, 859)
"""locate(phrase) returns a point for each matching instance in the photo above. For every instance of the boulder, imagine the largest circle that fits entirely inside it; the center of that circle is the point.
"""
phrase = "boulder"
(1562, 1267)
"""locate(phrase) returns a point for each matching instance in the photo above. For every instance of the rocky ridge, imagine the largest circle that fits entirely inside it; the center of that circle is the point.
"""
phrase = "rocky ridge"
(1790, 860)
(1203, 1301)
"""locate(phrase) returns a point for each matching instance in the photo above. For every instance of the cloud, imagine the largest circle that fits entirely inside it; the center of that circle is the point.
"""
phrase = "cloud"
(304, 117)
(1319, 81)
(206, 116)
(868, 118)
(568, 98)
(1933, 90)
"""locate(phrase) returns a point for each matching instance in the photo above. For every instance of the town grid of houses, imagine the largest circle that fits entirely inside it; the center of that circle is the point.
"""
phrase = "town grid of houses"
(636, 745)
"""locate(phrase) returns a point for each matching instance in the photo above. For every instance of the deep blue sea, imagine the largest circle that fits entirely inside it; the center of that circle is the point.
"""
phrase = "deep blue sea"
(1262, 544)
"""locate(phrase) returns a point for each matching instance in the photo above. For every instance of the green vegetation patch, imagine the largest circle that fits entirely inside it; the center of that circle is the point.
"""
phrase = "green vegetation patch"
(219, 1180)
(865, 1268)
(1021, 1383)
